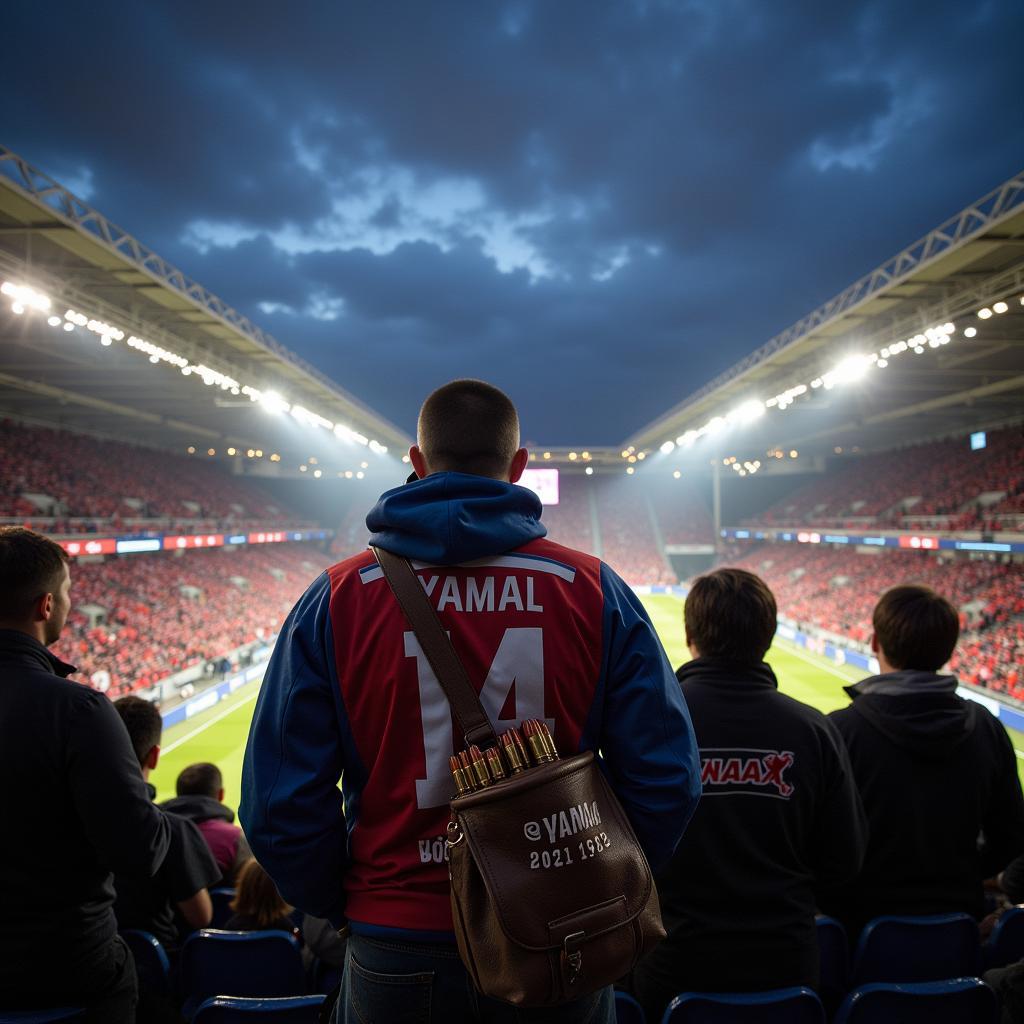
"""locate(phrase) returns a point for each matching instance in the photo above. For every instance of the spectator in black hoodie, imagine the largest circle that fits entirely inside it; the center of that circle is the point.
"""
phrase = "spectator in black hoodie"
(200, 798)
(178, 891)
(779, 813)
(937, 773)
(73, 804)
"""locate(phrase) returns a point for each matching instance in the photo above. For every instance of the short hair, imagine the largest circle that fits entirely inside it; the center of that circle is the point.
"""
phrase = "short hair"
(31, 565)
(256, 896)
(731, 614)
(915, 627)
(142, 720)
(203, 779)
(468, 426)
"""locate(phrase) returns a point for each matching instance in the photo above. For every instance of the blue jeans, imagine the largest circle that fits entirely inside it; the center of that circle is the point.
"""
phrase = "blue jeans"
(392, 982)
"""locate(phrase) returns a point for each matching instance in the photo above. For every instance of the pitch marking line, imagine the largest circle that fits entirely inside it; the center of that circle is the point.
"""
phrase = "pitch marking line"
(206, 725)
(791, 648)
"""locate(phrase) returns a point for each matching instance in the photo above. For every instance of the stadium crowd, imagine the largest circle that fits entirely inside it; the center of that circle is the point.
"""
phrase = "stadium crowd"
(85, 485)
(833, 590)
(169, 611)
(940, 484)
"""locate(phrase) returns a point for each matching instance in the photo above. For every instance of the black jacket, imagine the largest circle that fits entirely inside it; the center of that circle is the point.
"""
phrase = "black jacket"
(779, 813)
(936, 774)
(74, 808)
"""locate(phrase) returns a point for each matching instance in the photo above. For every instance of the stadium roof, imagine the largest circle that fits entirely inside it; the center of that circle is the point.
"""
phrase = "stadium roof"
(842, 374)
(73, 372)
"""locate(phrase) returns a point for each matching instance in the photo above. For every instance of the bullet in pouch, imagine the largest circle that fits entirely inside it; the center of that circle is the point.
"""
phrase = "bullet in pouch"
(479, 763)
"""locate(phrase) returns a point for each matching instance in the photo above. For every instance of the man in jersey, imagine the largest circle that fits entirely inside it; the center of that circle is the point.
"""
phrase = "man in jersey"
(543, 631)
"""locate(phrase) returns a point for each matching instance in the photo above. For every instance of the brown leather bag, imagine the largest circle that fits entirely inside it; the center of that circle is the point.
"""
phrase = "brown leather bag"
(552, 897)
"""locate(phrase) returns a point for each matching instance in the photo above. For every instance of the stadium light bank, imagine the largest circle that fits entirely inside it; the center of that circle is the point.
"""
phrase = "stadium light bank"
(25, 299)
(852, 368)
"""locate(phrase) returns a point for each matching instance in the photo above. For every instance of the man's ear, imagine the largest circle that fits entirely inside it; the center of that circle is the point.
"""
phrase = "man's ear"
(875, 646)
(43, 608)
(220, 795)
(418, 462)
(519, 461)
(152, 757)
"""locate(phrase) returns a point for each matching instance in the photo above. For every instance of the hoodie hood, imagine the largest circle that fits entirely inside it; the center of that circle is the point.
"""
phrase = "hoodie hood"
(450, 518)
(918, 711)
(198, 808)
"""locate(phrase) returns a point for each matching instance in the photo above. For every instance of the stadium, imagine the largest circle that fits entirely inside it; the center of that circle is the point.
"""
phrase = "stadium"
(200, 475)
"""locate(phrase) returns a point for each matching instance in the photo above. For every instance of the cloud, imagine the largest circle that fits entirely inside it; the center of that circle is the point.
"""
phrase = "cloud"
(598, 205)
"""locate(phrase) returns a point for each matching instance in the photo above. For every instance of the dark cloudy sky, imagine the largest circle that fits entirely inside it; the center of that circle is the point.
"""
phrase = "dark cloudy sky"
(596, 204)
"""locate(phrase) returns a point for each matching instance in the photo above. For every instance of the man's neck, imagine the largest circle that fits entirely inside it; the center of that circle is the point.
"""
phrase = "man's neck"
(33, 630)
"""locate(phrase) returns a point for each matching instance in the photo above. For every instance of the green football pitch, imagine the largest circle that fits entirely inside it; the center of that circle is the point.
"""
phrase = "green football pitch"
(218, 735)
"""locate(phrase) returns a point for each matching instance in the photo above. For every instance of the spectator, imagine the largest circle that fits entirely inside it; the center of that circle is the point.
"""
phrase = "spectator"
(258, 904)
(937, 773)
(780, 812)
(344, 697)
(189, 868)
(200, 798)
(73, 804)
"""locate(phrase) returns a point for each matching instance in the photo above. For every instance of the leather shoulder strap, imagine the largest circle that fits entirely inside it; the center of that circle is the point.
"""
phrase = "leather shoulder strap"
(448, 669)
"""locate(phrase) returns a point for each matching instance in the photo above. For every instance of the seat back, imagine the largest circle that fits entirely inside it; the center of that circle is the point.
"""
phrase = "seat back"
(233, 1010)
(834, 961)
(628, 1010)
(953, 1001)
(151, 963)
(221, 900)
(253, 964)
(62, 1013)
(928, 948)
(779, 1006)
(1006, 943)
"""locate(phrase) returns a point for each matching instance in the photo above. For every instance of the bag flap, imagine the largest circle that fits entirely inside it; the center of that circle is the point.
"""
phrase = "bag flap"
(554, 846)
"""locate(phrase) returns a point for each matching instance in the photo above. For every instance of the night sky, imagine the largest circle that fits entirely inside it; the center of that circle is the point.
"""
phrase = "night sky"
(595, 205)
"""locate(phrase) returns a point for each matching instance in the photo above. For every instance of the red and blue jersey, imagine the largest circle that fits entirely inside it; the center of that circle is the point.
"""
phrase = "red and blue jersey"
(543, 631)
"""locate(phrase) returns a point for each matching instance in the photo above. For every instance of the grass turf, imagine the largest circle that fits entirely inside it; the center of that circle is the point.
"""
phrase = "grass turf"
(219, 734)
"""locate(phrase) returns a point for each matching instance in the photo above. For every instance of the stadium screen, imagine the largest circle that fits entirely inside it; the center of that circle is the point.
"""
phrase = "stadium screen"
(543, 482)
(978, 440)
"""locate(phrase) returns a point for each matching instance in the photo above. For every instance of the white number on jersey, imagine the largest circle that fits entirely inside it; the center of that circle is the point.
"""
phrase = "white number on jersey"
(520, 660)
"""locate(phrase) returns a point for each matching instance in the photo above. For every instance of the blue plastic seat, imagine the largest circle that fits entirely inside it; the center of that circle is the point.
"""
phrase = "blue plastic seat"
(628, 1010)
(64, 1013)
(834, 961)
(779, 1006)
(221, 900)
(232, 1010)
(955, 1001)
(151, 963)
(1006, 943)
(928, 948)
(257, 965)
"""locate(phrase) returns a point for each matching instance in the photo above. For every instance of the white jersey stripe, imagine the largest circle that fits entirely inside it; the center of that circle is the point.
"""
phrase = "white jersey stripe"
(531, 562)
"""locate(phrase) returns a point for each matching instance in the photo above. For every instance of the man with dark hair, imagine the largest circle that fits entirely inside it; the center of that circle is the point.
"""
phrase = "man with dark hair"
(200, 798)
(779, 815)
(183, 879)
(937, 773)
(543, 631)
(74, 798)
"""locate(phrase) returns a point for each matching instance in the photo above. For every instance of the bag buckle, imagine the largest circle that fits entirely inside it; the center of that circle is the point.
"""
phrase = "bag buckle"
(572, 956)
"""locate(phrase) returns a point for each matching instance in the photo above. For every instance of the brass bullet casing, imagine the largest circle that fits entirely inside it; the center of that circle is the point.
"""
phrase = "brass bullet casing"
(535, 741)
(463, 783)
(549, 740)
(511, 752)
(479, 762)
(494, 765)
(524, 755)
